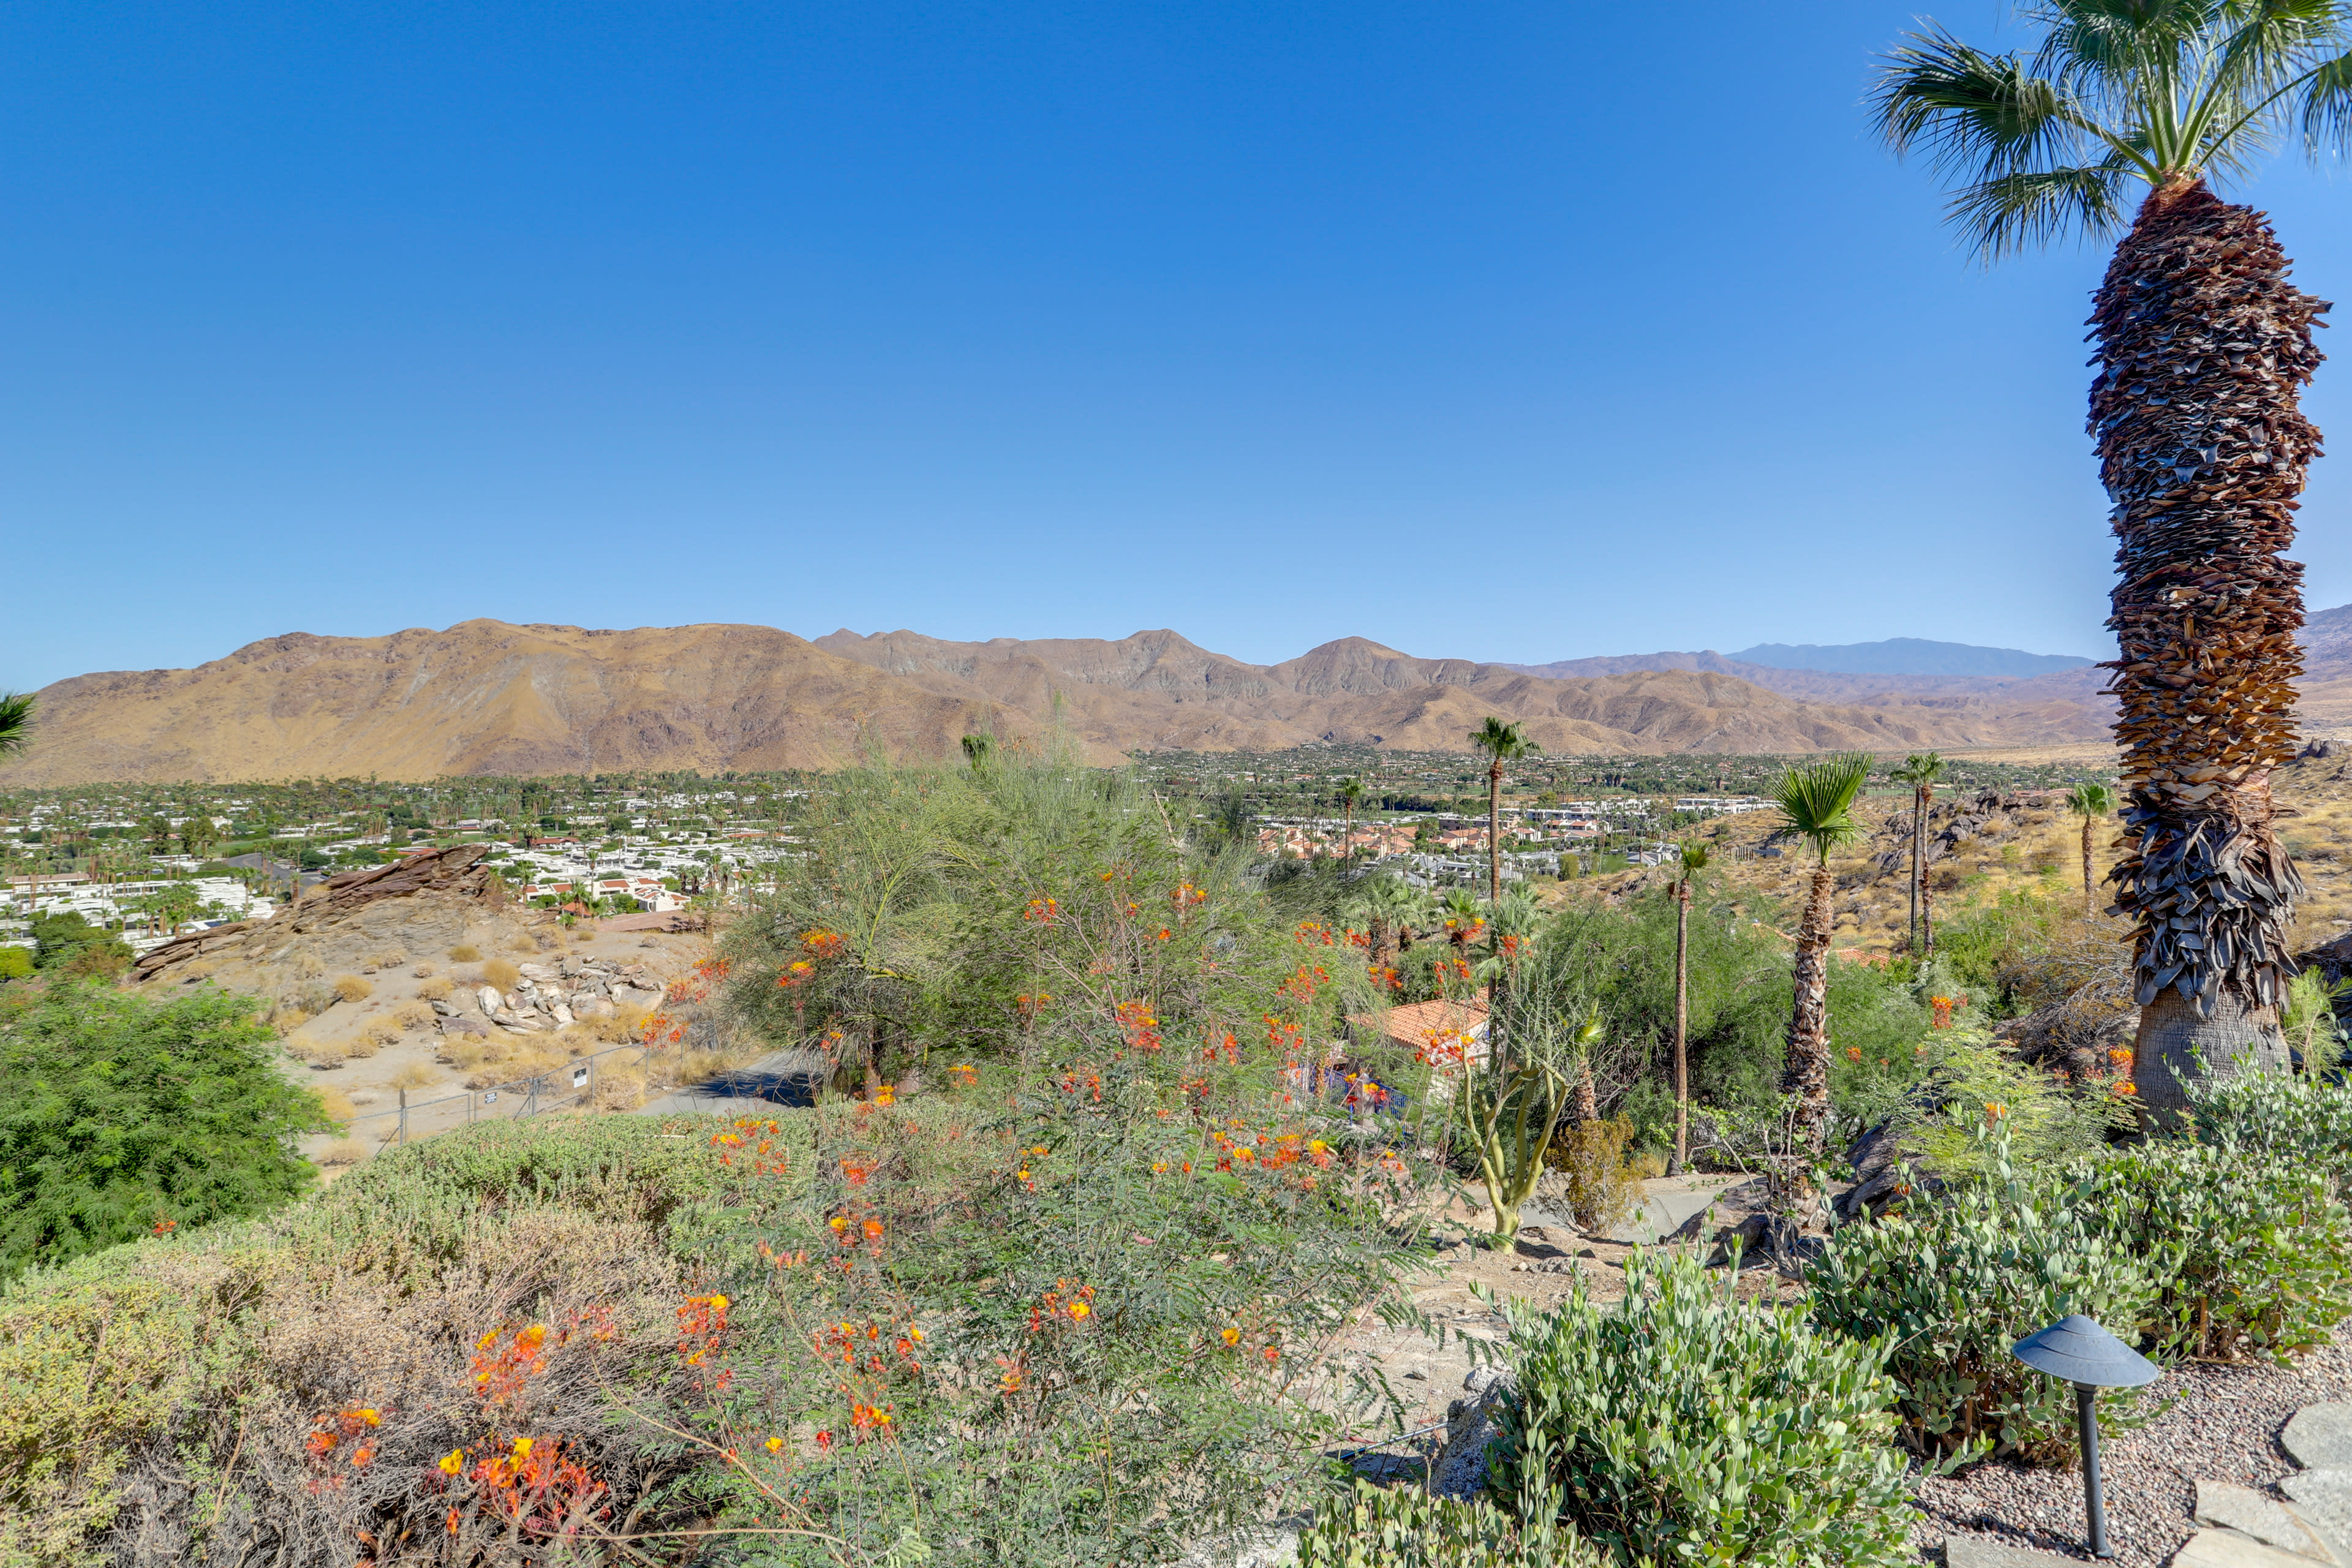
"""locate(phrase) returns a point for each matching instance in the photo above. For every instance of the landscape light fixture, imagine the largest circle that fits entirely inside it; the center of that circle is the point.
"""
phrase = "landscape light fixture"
(2087, 1356)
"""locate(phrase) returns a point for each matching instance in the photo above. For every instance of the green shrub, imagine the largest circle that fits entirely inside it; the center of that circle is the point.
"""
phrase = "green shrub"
(1679, 1426)
(2260, 1253)
(1953, 1283)
(1406, 1527)
(1603, 1187)
(15, 963)
(2294, 1122)
(120, 1114)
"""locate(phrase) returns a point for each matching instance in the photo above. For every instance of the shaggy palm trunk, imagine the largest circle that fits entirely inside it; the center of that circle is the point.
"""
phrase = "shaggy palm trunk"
(1682, 1028)
(1494, 832)
(2087, 883)
(2204, 348)
(1807, 1073)
(1919, 859)
(1927, 893)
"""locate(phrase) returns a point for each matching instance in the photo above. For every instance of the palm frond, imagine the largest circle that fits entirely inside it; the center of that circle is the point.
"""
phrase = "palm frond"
(2014, 212)
(1918, 768)
(1816, 801)
(1502, 742)
(15, 723)
(2327, 107)
(2090, 800)
(1975, 114)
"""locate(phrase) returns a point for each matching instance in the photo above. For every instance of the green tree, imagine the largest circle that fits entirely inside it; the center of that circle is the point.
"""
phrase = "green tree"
(1502, 743)
(1920, 771)
(1693, 860)
(2204, 347)
(118, 1114)
(1816, 804)
(2090, 802)
(158, 829)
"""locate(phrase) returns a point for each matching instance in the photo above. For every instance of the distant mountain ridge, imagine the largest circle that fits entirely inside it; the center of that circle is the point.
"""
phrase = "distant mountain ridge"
(1908, 656)
(487, 697)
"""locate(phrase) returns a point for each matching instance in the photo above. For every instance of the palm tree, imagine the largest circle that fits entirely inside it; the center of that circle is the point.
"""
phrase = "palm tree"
(2204, 347)
(15, 723)
(1351, 792)
(1920, 770)
(1388, 905)
(1694, 859)
(2090, 802)
(1816, 804)
(1502, 743)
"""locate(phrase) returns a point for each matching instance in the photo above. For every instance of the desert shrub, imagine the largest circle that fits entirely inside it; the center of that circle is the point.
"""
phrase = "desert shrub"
(2294, 1122)
(1604, 1187)
(118, 1113)
(1679, 1426)
(351, 988)
(15, 963)
(1956, 1280)
(412, 1015)
(336, 1105)
(521, 942)
(367, 1042)
(1372, 1527)
(415, 1075)
(1938, 1100)
(346, 1152)
(424, 970)
(618, 1088)
(285, 1018)
(497, 972)
(312, 1051)
(392, 960)
(465, 953)
(63, 938)
(2257, 1255)
(434, 990)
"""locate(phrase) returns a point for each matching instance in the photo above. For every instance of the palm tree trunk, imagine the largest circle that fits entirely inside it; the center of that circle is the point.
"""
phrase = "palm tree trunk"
(2205, 347)
(1494, 831)
(1919, 860)
(2086, 867)
(1807, 1072)
(1682, 1028)
(1927, 893)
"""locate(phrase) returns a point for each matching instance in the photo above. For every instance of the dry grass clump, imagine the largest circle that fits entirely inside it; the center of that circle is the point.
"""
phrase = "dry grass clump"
(338, 1104)
(412, 1015)
(318, 1054)
(286, 1017)
(465, 953)
(527, 1061)
(434, 990)
(497, 972)
(519, 942)
(351, 988)
(308, 965)
(392, 960)
(345, 1151)
(415, 1075)
(616, 1027)
(423, 972)
(371, 1039)
(618, 1088)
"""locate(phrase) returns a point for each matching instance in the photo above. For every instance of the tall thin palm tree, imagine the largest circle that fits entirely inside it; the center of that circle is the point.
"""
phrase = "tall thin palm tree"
(1816, 804)
(2090, 802)
(1351, 791)
(2204, 347)
(1920, 770)
(1694, 859)
(1502, 743)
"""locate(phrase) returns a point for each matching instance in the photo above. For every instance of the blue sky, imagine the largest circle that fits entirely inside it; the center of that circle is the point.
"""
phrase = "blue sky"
(1513, 331)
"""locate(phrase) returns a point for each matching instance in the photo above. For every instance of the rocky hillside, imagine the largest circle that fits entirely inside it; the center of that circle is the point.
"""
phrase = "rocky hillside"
(484, 697)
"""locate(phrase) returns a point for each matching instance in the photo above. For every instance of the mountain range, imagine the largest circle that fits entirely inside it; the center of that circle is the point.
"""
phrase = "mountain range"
(487, 697)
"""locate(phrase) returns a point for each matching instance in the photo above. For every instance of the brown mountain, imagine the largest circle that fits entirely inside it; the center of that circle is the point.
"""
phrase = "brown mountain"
(489, 697)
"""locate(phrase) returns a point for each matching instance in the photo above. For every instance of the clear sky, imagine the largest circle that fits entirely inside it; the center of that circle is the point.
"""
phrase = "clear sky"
(1508, 331)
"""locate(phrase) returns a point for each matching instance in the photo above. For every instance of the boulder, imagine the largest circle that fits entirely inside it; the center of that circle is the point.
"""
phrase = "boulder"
(1470, 1425)
(492, 1003)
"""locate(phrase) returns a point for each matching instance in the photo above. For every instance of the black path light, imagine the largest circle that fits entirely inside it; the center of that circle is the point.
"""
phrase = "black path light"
(2087, 1356)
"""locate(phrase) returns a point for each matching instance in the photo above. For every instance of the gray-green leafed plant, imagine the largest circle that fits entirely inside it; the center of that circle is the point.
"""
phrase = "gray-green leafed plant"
(1816, 804)
(2204, 347)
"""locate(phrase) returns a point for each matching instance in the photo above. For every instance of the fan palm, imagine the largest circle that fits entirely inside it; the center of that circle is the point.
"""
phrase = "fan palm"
(1920, 771)
(1816, 804)
(2204, 347)
(1388, 905)
(15, 723)
(1502, 743)
(1351, 792)
(1694, 859)
(2090, 802)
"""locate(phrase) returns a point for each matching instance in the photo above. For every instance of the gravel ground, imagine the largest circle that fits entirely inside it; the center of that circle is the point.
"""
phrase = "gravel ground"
(2222, 1424)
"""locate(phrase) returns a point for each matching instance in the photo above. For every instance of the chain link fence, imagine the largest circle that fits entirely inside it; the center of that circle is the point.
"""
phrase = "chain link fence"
(574, 1084)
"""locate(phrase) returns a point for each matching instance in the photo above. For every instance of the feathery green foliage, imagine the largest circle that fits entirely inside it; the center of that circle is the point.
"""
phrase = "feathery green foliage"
(1816, 800)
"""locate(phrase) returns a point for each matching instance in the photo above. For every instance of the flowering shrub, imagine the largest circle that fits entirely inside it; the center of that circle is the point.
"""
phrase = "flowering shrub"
(1406, 1527)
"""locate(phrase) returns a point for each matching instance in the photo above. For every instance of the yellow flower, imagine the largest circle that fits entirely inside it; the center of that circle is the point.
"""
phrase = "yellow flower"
(453, 1461)
(720, 1302)
(1317, 1146)
(1022, 1172)
(1040, 1149)
(1232, 1336)
(774, 1444)
(370, 1418)
(1079, 1308)
(522, 1448)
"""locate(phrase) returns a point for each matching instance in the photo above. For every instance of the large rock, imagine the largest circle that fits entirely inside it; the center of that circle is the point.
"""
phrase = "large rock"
(1471, 1425)
(2319, 1436)
(1975, 1551)
(2248, 1512)
(2228, 1549)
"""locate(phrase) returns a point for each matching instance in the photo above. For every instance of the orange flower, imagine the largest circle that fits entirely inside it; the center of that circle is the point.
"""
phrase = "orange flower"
(1854, 1053)
(1232, 1337)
